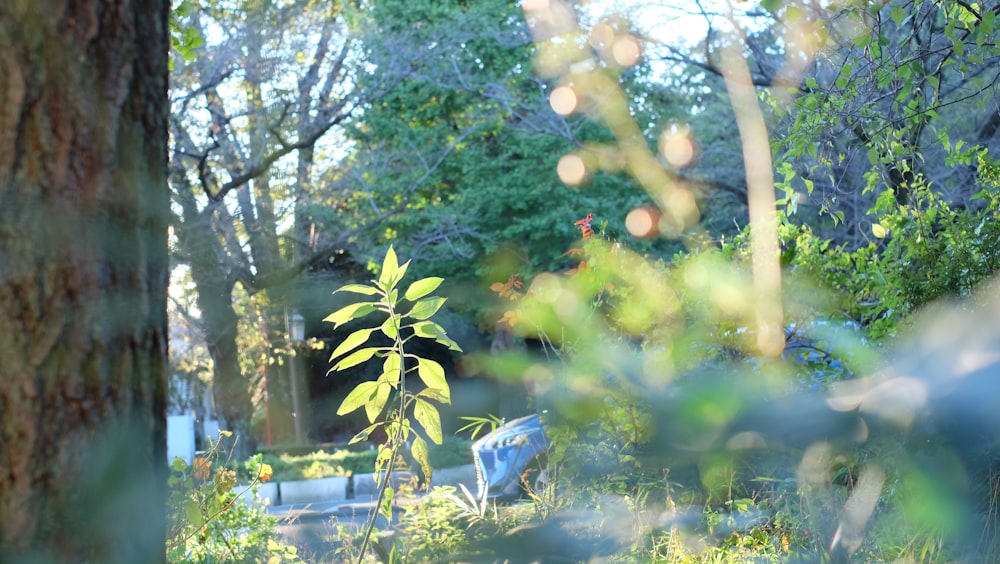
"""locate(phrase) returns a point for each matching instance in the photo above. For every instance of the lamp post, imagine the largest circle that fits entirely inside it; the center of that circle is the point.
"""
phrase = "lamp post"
(296, 325)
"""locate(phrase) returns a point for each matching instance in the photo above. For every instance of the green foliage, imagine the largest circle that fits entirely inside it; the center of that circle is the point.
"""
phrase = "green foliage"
(871, 114)
(446, 523)
(478, 425)
(882, 283)
(318, 464)
(475, 143)
(184, 39)
(209, 518)
(453, 451)
(374, 396)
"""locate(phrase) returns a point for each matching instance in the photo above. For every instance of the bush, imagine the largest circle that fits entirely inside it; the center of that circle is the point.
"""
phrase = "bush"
(319, 464)
(208, 522)
(453, 451)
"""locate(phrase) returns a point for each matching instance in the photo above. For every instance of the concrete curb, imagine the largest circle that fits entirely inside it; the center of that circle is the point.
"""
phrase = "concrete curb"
(328, 497)
(305, 491)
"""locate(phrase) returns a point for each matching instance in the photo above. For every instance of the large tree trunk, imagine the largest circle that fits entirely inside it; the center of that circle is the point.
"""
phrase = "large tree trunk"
(83, 275)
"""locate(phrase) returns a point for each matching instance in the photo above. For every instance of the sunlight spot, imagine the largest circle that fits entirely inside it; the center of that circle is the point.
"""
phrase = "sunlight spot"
(970, 361)
(745, 440)
(571, 169)
(676, 146)
(626, 51)
(534, 5)
(814, 468)
(566, 306)
(898, 400)
(547, 287)
(602, 36)
(563, 100)
(550, 289)
(859, 508)
(642, 221)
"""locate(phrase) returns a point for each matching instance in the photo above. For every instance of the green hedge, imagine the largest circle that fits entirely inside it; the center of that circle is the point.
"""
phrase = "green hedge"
(454, 451)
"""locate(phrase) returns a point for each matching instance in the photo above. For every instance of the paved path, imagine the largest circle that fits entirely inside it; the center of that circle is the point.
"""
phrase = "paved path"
(312, 527)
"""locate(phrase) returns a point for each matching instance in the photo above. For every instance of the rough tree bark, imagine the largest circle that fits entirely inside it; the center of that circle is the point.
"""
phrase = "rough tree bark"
(83, 275)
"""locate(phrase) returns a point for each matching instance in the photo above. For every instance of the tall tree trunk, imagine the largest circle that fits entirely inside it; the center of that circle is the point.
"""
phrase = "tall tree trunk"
(83, 275)
(198, 241)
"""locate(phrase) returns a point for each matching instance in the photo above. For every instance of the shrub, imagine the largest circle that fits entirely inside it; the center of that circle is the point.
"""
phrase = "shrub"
(320, 464)
(453, 451)
(207, 521)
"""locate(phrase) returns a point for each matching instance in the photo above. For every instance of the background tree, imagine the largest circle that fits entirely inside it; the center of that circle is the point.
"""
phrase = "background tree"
(249, 113)
(494, 205)
(83, 275)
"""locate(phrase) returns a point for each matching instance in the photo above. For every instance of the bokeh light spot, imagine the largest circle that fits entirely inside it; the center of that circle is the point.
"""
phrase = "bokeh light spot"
(534, 5)
(547, 287)
(563, 100)
(626, 51)
(641, 222)
(571, 169)
(676, 146)
(602, 36)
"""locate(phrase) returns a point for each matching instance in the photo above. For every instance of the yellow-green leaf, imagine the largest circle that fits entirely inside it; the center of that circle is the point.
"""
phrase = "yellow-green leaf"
(878, 230)
(433, 376)
(358, 289)
(359, 396)
(390, 268)
(429, 418)
(351, 342)
(433, 394)
(348, 313)
(422, 287)
(390, 327)
(426, 308)
(419, 452)
(356, 358)
(363, 434)
(385, 509)
(391, 369)
(374, 407)
(179, 464)
(431, 330)
(192, 511)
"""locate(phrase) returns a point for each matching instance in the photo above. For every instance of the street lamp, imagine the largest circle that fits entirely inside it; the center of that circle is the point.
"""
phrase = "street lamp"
(296, 326)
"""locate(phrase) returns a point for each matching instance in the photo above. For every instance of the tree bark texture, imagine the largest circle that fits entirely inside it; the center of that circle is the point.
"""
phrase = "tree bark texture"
(83, 275)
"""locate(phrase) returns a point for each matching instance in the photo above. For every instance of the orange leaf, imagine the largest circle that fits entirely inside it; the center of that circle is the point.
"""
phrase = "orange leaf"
(509, 317)
(202, 466)
(265, 472)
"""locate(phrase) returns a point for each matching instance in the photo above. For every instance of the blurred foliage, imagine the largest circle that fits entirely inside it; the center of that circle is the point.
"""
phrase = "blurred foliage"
(453, 451)
(211, 518)
(319, 464)
(880, 284)
(475, 139)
